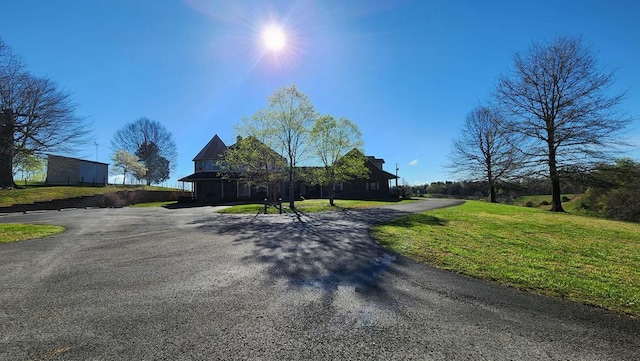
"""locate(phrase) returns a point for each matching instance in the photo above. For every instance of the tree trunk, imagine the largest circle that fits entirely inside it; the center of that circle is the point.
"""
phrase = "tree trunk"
(332, 193)
(492, 186)
(556, 201)
(7, 129)
(291, 188)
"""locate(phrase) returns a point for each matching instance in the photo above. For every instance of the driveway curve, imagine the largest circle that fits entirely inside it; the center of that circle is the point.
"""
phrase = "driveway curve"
(191, 284)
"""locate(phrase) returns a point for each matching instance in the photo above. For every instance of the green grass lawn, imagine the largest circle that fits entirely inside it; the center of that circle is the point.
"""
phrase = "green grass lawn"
(12, 232)
(42, 194)
(154, 204)
(588, 260)
(308, 206)
(572, 205)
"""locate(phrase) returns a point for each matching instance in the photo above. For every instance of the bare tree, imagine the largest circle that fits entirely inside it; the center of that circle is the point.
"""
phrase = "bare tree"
(284, 126)
(558, 98)
(152, 143)
(332, 141)
(35, 116)
(484, 151)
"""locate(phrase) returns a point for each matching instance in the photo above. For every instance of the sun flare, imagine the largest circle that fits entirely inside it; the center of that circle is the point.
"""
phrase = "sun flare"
(274, 38)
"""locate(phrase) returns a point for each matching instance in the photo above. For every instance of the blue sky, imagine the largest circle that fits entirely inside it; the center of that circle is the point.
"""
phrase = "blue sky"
(407, 72)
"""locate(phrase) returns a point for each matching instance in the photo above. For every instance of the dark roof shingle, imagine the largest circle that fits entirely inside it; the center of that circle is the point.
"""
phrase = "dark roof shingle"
(212, 150)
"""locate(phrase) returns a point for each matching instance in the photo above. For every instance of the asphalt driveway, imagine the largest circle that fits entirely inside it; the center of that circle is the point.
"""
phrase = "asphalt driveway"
(191, 284)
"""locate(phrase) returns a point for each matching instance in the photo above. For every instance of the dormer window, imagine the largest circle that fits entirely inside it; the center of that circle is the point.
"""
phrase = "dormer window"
(199, 165)
(208, 165)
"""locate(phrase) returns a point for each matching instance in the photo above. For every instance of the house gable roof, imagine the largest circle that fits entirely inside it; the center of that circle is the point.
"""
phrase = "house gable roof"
(377, 172)
(212, 150)
(375, 165)
(378, 162)
(260, 145)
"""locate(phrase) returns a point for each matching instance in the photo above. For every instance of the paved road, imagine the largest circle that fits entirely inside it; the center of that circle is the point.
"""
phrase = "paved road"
(190, 284)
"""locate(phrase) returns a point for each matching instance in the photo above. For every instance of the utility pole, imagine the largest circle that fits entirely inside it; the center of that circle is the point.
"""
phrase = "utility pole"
(95, 165)
(397, 189)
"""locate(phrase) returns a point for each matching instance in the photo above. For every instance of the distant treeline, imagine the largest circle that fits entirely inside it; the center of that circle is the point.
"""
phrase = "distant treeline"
(610, 191)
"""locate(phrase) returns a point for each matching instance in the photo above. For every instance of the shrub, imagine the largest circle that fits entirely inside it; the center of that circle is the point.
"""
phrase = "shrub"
(624, 203)
(545, 203)
(615, 192)
(565, 199)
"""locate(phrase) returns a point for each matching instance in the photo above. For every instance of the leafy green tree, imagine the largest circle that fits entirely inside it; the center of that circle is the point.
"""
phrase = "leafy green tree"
(559, 99)
(284, 125)
(159, 171)
(128, 163)
(254, 163)
(336, 143)
(157, 165)
(29, 165)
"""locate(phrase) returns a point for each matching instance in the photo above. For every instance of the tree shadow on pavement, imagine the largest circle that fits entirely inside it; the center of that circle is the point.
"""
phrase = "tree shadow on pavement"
(320, 250)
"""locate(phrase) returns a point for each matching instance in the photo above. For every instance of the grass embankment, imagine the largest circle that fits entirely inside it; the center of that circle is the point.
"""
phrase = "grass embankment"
(12, 232)
(583, 259)
(308, 206)
(43, 194)
(572, 203)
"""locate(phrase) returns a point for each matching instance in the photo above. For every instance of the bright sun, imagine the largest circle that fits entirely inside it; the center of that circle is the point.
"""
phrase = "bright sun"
(274, 38)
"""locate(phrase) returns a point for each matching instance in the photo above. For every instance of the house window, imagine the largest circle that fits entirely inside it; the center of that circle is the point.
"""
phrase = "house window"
(338, 187)
(208, 165)
(373, 186)
(199, 165)
(244, 190)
